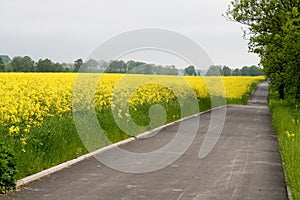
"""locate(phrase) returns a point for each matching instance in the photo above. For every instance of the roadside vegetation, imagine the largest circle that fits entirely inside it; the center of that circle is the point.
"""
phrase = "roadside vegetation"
(286, 122)
(37, 124)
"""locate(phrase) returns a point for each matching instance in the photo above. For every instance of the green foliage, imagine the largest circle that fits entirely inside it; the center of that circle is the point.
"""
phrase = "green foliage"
(251, 71)
(215, 70)
(77, 64)
(226, 71)
(166, 70)
(22, 64)
(5, 58)
(236, 72)
(26, 64)
(286, 121)
(8, 67)
(120, 66)
(291, 50)
(2, 66)
(136, 67)
(218, 70)
(7, 170)
(274, 35)
(90, 65)
(131, 64)
(47, 65)
(190, 71)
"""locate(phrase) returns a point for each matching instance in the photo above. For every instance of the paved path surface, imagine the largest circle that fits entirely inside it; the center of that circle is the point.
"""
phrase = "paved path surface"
(245, 164)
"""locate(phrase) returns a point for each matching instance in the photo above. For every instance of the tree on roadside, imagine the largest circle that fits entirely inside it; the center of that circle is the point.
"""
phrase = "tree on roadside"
(273, 27)
(292, 49)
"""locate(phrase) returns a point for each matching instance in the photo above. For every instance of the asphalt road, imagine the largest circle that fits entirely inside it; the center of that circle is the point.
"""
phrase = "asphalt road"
(244, 164)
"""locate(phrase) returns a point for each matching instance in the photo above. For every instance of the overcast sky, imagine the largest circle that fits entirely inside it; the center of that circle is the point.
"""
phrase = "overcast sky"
(65, 30)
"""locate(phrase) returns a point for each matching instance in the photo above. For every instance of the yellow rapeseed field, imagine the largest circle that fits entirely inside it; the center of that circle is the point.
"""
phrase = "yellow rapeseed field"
(26, 99)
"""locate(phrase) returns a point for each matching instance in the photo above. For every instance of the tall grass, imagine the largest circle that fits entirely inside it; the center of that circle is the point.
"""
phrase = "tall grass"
(286, 121)
(52, 143)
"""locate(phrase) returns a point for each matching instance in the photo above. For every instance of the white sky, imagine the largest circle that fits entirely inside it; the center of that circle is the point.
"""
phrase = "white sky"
(64, 30)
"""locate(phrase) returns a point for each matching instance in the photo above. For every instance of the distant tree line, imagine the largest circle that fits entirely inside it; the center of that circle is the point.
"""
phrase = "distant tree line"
(26, 64)
(120, 66)
(218, 70)
(191, 71)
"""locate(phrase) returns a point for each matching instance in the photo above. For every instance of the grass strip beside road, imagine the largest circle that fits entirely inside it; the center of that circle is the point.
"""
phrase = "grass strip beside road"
(286, 122)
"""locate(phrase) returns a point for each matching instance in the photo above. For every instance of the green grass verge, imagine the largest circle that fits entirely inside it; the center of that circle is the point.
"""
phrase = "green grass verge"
(286, 122)
(54, 142)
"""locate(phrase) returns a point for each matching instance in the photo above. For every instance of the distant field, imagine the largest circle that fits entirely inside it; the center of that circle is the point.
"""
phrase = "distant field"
(36, 118)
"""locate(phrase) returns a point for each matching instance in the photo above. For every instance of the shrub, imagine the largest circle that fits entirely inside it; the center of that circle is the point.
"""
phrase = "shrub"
(7, 170)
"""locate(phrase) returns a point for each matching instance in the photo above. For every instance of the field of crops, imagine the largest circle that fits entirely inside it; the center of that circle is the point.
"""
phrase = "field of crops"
(36, 110)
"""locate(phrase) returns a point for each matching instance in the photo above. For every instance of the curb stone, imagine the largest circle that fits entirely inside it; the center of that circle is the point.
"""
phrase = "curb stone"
(289, 192)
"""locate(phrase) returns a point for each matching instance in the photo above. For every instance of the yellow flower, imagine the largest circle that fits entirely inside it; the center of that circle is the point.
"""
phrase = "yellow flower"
(23, 141)
(289, 134)
(11, 129)
(27, 99)
(14, 129)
